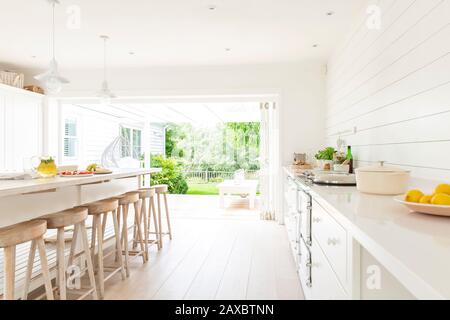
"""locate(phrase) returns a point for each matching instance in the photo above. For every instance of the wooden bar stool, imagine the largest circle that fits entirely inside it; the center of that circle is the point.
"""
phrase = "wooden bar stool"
(162, 189)
(148, 212)
(99, 211)
(17, 234)
(75, 217)
(125, 201)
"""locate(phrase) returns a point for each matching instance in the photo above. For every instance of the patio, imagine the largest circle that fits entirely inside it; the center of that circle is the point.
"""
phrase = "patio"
(208, 207)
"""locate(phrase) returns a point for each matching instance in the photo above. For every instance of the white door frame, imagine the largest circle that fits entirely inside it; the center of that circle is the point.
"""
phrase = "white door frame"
(273, 95)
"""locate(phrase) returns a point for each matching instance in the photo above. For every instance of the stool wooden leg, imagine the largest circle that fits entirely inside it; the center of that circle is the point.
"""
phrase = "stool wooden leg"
(45, 270)
(152, 211)
(144, 217)
(29, 273)
(101, 275)
(167, 216)
(9, 272)
(118, 214)
(61, 263)
(93, 240)
(118, 245)
(125, 237)
(84, 238)
(137, 217)
(159, 222)
(73, 245)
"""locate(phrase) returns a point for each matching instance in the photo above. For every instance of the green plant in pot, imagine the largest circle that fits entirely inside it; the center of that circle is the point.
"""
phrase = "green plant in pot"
(325, 158)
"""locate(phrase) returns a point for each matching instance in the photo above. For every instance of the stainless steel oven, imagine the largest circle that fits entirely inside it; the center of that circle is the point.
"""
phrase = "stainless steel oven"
(304, 203)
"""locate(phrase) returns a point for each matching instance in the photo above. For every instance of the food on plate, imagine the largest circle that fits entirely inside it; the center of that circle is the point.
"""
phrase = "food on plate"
(75, 173)
(443, 188)
(414, 196)
(95, 168)
(92, 167)
(426, 199)
(441, 199)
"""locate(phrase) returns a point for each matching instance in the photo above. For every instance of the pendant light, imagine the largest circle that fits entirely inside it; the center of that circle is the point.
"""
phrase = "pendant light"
(51, 79)
(105, 94)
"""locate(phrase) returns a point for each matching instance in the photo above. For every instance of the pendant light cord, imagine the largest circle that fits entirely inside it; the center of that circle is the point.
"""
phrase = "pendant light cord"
(104, 59)
(53, 31)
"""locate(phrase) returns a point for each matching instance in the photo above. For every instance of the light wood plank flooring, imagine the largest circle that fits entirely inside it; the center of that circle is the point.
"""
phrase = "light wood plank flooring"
(215, 259)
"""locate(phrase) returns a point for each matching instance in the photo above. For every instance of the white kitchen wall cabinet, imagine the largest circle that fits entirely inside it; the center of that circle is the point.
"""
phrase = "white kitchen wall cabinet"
(20, 126)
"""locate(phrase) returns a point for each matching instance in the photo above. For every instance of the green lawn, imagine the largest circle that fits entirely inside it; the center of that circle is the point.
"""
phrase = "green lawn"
(203, 189)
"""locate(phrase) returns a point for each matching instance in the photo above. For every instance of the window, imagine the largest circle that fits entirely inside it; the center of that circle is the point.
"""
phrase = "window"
(70, 138)
(131, 143)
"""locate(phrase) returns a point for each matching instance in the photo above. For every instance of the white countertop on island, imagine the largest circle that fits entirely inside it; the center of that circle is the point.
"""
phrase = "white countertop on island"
(16, 187)
(414, 247)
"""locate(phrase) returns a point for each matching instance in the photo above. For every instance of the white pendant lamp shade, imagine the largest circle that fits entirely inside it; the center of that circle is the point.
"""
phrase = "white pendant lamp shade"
(51, 79)
(105, 93)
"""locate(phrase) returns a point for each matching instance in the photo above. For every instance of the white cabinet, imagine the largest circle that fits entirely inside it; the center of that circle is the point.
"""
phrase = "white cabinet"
(20, 126)
(332, 238)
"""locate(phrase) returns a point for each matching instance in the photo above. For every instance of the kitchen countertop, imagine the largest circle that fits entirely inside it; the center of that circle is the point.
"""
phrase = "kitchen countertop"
(16, 187)
(414, 247)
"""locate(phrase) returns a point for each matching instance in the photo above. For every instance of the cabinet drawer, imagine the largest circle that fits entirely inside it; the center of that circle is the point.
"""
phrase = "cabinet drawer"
(332, 238)
(325, 285)
(99, 191)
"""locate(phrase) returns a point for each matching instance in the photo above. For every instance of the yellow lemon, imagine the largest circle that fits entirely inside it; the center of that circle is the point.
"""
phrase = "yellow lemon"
(414, 196)
(441, 199)
(443, 188)
(426, 199)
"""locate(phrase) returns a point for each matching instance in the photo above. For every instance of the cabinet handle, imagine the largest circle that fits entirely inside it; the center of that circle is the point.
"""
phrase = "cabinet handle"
(316, 220)
(333, 241)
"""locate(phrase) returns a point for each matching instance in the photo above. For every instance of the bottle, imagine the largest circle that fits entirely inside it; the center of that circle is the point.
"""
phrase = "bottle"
(350, 159)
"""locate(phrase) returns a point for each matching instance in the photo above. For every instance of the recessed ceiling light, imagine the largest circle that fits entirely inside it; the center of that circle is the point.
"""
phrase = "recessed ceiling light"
(315, 45)
(33, 57)
(227, 49)
(212, 7)
(131, 53)
(330, 13)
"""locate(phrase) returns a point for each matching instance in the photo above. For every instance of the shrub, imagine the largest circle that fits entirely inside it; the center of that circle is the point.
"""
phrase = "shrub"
(171, 175)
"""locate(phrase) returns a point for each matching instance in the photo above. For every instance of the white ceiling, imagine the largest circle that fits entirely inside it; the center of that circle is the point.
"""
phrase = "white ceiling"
(174, 32)
(200, 114)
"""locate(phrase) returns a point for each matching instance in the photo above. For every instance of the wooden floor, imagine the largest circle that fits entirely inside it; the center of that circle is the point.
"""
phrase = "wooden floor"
(215, 259)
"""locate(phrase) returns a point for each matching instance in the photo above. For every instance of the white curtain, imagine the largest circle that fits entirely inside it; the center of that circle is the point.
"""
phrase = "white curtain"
(269, 158)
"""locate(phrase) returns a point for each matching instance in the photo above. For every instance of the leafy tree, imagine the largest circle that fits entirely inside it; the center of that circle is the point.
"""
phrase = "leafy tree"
(225, 147)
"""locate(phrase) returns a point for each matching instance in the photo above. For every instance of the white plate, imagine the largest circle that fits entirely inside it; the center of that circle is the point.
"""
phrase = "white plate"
(432, 209)
(77, 176)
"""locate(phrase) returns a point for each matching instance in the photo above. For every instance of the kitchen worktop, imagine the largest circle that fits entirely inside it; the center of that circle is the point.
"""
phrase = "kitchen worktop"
(414, 247)
(16, 187)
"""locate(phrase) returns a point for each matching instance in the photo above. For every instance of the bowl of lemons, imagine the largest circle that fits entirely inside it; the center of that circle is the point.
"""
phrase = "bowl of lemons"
(437, 203)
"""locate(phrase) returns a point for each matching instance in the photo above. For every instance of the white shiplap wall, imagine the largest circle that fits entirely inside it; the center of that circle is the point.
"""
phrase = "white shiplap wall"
(157, 138)
(388, 90)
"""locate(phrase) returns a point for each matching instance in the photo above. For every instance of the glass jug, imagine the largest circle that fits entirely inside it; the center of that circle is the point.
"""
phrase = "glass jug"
(46, 168)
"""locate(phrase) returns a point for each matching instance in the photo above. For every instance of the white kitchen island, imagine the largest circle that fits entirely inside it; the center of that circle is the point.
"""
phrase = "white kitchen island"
(22, 200)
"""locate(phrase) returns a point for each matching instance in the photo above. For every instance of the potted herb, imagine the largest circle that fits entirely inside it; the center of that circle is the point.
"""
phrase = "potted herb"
(325, 158)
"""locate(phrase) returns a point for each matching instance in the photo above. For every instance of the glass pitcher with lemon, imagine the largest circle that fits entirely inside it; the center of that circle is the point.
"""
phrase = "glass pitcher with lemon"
(47, 167)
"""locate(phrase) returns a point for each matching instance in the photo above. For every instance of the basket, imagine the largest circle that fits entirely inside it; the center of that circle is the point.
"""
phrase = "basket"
(12, 78)
(34, 89)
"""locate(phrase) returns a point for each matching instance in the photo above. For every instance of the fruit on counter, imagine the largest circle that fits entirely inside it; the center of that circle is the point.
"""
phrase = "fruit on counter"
(426, 199)
(414, 196)
(443, 188)
(441, 199)
(92, 167)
